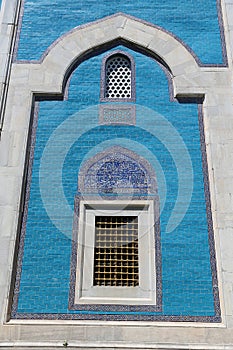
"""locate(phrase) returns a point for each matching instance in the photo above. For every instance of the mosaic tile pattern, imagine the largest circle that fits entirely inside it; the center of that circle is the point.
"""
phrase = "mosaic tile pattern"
(189, 279)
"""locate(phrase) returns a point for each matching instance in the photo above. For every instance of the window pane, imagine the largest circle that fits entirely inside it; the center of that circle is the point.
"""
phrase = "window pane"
(118, 77)
(116, 251)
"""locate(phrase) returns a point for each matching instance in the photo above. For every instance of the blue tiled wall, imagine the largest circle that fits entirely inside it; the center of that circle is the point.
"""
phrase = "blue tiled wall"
(194, 22)
(186, 272)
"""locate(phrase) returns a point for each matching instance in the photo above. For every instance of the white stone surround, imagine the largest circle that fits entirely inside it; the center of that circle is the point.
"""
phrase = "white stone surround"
(189, 79)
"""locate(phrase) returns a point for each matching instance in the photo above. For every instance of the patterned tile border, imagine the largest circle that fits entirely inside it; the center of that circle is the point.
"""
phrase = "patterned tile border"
(92, 166)
(108, 307)
(25, 203)
(119, 317)
(209, 214)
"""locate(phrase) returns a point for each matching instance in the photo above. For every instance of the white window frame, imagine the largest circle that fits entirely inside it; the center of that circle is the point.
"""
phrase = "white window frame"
(145, 292)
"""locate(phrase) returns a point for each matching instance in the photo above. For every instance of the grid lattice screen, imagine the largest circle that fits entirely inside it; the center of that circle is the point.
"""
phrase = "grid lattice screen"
(118, 77)
(116, 251)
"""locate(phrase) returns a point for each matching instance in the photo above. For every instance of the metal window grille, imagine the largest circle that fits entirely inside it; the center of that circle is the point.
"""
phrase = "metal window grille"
(116, 251)
(118, 77)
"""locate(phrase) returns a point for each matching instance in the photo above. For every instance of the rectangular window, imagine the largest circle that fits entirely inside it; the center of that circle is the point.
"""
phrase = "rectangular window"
(116, 251)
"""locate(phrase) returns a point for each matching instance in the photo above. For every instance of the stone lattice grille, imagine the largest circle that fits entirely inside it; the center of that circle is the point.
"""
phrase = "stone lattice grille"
(116, 251)
(118, 77)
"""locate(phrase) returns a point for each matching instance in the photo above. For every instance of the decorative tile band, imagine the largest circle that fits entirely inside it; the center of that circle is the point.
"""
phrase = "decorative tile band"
(26, 191)
(118, 317)
(209, 215)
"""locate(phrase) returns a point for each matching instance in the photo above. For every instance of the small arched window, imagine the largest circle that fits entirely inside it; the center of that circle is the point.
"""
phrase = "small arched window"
(118, 78)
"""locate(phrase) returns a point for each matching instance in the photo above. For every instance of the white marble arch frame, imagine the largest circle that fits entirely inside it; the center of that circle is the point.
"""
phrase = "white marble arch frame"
(47, 78)
(50, 74)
